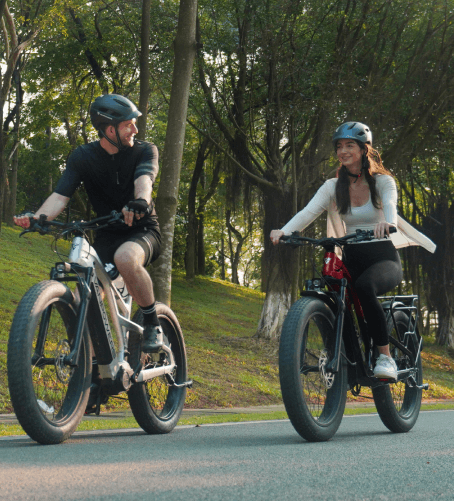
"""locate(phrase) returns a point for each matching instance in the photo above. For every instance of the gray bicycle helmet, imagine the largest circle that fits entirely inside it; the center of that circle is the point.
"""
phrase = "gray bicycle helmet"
(112, 109)
(353, 130)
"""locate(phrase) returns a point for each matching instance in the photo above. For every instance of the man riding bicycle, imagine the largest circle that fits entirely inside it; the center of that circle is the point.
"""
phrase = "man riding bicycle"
(118, 174)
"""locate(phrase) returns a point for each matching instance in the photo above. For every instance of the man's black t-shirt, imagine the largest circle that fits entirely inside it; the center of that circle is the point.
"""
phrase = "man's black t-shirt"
(109, 179)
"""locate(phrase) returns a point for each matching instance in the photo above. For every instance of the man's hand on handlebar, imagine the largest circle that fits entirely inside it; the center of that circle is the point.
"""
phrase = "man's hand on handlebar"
(138, 208)
(275, 235)
(23, 220)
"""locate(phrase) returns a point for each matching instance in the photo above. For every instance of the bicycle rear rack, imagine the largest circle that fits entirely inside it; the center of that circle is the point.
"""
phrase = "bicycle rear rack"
(408, 304)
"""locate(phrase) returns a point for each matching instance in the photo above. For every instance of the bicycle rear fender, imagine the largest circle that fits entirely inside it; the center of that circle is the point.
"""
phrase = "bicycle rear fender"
(387, 304)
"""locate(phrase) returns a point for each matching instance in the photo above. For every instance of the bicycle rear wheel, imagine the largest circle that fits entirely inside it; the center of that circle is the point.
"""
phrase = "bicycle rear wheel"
(155, 404)
(398, 404)
(48, 397)
(314, 399)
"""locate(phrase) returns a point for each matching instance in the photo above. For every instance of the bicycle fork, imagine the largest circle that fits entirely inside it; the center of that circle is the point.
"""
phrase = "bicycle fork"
(333, 365)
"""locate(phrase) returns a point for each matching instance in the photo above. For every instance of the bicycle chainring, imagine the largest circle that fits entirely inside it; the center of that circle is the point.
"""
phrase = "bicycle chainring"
(64, 372)
(326, 377)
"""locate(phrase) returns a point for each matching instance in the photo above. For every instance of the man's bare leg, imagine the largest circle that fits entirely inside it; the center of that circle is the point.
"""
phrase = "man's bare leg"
(129, 260)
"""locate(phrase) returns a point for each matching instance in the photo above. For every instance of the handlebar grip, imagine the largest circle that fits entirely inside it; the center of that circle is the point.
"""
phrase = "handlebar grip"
(392, 229)
(39, 224)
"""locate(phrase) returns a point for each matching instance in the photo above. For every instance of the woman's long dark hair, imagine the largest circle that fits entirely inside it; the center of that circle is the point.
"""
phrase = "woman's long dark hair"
(371, 164)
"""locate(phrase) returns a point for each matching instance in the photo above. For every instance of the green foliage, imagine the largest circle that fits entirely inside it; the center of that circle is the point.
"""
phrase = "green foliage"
(269, 67)
(218, 321)
(230, 367)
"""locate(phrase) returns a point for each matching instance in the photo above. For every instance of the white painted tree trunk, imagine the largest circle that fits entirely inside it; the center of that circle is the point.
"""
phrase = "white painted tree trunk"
(274, 311)
(278, 270)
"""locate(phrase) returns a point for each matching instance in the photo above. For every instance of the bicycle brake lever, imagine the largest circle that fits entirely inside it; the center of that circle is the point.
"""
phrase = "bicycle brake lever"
(35, 225)
(117, 217)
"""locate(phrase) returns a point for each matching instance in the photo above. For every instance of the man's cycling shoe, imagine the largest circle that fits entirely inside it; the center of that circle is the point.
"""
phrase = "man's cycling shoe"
(95, 395)
(385, 368)
(153, 339)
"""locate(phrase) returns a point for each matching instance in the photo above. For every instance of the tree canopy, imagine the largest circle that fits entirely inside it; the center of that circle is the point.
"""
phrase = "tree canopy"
(271, 82)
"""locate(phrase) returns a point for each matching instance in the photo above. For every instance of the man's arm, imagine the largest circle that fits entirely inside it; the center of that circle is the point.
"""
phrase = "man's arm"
(143, 187)
(52, 207)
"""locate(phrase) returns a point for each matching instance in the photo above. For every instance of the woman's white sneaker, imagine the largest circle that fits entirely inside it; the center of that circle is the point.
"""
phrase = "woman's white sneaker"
(385, 368)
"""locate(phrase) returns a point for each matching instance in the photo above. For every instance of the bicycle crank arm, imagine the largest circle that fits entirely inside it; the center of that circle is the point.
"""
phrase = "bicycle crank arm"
(171, 381)
(414, 384)
(148, 374)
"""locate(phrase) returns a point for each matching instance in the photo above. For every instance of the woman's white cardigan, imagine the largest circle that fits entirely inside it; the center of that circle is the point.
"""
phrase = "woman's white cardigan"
(325, 199)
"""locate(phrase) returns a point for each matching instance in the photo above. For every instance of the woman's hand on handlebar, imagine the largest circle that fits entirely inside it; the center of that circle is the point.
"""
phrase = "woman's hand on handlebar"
(382, 229)
(275, 235)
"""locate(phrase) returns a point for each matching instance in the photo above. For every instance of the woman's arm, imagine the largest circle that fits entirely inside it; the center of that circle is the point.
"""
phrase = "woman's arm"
(319, 204)
(387, 191)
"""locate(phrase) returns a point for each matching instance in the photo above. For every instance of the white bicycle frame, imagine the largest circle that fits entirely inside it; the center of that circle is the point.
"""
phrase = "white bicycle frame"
(83, 254)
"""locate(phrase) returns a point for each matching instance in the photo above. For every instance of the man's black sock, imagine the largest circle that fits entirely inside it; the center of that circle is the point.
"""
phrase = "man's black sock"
(150, 316)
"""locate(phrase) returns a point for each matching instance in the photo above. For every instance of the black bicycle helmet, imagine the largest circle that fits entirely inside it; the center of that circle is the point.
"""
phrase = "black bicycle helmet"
(112, 109)
(353, 130)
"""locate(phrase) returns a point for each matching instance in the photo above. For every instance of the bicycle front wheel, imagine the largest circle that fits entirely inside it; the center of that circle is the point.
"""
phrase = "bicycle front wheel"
(157, 404)
(398, 404)
(48, 397)
(314, 399)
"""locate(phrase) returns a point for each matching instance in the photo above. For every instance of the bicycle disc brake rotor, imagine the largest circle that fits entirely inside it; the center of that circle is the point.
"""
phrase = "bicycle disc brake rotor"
(64, 372)
(327, 377)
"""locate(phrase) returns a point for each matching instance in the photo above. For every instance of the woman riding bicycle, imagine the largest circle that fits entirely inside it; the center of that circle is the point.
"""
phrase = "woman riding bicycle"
(363, 196)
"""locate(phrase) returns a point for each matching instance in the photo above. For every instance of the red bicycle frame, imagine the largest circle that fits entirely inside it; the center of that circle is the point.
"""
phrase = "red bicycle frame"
(334, 267)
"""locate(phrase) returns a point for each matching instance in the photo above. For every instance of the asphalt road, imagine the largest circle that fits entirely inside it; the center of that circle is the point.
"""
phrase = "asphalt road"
(254, 461)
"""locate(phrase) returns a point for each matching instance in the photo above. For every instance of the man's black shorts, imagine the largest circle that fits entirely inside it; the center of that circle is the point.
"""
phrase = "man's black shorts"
(106, 244)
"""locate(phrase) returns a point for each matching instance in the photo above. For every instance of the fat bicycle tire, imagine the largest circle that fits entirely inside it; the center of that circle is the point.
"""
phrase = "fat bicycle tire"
(314, 400)
(155, 405)
(49, 399)
(398, 404)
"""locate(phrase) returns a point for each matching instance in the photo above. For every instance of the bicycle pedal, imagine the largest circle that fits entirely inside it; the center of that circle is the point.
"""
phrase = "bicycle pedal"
(424, 386)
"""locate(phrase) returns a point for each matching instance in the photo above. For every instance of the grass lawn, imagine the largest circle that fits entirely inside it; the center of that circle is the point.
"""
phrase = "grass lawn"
(229, 366)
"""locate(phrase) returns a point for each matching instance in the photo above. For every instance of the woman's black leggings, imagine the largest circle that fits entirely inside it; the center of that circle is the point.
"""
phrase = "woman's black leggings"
(375, 268)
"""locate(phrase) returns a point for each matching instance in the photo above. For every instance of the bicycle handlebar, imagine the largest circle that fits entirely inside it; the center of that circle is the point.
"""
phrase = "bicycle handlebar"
(360, 236)
(44, 227)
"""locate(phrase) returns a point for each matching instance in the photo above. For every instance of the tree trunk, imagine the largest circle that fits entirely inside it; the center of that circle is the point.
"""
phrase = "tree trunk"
(439, 268)
(234, 254)
(201, 244)
(277, 267)
(441, 271)
(2, 153)
(445, 332)
(11, 209)
(144, 69)
(222, 258)
(191, 241)
(167, 198)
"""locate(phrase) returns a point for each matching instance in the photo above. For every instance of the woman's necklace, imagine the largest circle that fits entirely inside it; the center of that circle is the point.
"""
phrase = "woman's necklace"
(355, 175)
